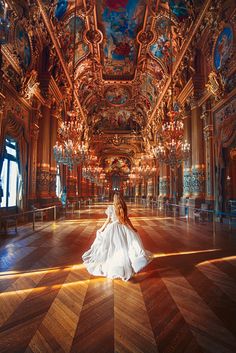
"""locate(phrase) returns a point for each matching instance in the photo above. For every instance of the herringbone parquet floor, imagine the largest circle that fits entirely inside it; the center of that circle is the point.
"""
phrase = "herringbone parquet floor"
(182, 302)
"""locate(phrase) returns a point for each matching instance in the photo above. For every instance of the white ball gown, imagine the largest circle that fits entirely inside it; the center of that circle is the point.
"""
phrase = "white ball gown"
(117, 252)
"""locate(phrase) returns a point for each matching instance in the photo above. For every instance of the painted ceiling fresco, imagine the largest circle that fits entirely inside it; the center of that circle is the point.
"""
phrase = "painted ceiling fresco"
(23, 46)
(117, 95)
(119, 21)
(117, 119)
(67, 40)
(117, 165)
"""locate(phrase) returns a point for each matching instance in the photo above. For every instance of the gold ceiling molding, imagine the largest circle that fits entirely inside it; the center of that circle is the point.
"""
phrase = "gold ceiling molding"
(186, 92)
(6, 50)
(53, 87)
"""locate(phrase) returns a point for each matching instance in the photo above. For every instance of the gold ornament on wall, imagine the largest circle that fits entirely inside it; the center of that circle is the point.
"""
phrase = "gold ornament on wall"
(30, 85)
(233, 154)
(216, 85)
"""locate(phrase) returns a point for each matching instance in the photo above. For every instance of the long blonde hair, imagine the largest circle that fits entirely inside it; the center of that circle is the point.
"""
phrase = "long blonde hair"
(121, 210)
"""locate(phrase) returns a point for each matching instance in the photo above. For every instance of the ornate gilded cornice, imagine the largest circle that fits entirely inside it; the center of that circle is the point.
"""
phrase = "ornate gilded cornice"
(219, 104)
(55, 90)
(7, 53)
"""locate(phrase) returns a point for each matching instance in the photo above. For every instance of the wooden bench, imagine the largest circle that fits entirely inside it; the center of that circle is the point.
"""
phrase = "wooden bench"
(7, 221)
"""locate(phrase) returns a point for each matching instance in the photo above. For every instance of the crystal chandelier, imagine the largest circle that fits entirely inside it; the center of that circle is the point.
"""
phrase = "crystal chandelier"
(71, 149)
(173, 152)
(91, 172)
(171, 149)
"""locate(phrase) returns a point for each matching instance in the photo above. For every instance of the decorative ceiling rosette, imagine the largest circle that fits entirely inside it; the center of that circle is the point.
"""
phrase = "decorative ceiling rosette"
(145, 37)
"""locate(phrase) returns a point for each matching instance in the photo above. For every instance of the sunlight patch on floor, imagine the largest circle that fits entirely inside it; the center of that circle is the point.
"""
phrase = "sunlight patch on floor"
(227, 258)
(156, 255)
(12, 274)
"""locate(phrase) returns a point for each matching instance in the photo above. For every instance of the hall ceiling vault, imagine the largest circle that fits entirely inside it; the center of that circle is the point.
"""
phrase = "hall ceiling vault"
(123, 55)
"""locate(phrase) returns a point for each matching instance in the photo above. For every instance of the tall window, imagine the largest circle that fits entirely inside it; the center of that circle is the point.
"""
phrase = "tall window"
(10, 175)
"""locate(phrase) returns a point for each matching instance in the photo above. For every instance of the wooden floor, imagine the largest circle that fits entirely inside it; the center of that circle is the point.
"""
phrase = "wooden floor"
(184, 301)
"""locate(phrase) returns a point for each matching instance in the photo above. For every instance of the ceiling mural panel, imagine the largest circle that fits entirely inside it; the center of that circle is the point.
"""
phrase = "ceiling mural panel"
(23, 48)
(119, 21)
(223, 47)
(117, 95)
(149, 89)
(60, 9)
(162, 49)
(114, 165)
(116, 119)
(67, 40)
(180, 8)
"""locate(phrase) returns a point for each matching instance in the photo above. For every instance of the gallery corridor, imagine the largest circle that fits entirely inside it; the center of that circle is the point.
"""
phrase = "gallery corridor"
(183, 301)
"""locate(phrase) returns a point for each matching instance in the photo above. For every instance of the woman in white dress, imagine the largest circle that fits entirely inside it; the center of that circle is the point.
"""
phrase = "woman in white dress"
(117, 251)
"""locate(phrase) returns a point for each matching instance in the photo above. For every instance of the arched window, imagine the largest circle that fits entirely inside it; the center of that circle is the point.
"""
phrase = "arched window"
(10, 175)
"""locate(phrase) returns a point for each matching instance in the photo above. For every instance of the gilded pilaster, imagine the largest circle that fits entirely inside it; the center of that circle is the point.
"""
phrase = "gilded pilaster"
(143, 194)
(71, 185)
(208, 135)
(43, 166)
(137, 189)
(198, 167)
(53, 165)
(187, 173)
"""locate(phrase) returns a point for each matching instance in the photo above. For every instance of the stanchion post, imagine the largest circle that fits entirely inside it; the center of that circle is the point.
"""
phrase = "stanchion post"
(214, 223)
(55, 213)
(33, 219)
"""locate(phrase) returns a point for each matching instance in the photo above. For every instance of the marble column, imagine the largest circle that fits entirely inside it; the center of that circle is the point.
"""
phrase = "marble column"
(150, 188)
(164, 183)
